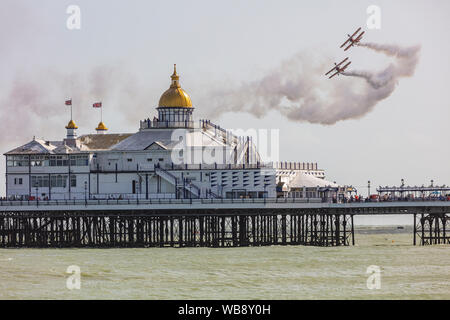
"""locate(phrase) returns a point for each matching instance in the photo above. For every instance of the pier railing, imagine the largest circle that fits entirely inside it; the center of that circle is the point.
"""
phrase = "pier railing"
(10, 203)
(162, 201)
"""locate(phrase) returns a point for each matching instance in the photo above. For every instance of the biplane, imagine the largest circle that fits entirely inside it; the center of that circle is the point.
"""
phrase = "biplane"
(353, 39)
(338, 68)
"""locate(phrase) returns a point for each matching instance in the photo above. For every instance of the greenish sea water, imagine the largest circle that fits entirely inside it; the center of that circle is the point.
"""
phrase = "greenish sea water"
(276, 272)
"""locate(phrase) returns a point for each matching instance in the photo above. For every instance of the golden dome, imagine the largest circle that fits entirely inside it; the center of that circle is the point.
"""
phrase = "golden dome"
(71, 125)
(101, 126)
(175, 97)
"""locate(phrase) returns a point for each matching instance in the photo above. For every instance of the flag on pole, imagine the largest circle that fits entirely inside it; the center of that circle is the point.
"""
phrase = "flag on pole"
(69, 102)
(97, 105)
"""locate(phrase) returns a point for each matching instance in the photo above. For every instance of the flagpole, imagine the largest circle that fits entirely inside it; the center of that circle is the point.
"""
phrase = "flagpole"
(71, 116)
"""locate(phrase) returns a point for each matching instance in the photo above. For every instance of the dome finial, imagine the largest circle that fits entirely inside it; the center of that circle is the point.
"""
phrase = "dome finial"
(175, 77)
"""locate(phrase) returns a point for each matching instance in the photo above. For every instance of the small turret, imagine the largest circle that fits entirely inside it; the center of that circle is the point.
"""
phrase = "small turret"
(71, 137)
(71, 130)
(101, 128)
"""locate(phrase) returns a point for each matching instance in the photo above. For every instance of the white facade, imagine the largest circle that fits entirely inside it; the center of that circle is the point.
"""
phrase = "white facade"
(36, 170)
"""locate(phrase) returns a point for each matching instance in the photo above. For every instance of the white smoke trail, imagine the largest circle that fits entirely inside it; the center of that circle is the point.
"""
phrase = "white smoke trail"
(404, 55)
(299, 90)
(404, 66)
(376, 80)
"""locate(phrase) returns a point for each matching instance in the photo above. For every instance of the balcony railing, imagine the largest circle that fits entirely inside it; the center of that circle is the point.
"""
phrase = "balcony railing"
(213, 166)
(156, 124)
(296, 165)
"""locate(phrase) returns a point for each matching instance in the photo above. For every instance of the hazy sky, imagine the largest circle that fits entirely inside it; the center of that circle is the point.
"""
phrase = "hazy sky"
(124, 52)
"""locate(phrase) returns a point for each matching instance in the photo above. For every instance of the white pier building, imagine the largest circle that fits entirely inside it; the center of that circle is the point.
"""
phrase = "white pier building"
(171, 156)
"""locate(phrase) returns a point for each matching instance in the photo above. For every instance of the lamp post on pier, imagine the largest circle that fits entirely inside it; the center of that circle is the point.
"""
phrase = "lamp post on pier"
(85, 192)
(264, 194)
(368, 189)
(36, 185)
(401, 187)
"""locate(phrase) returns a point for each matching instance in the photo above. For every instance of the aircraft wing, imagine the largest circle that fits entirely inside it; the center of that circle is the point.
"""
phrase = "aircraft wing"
(337, 65)
(345, 43)
(333, 75)
(359, 37)
(344, 67)
(356, 32)
(330, 70)
(351, 44)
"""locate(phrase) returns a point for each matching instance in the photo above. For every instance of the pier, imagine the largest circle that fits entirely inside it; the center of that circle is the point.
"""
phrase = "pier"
(205, 222)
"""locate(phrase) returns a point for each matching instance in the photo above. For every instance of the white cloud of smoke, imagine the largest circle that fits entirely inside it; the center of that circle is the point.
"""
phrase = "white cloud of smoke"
(299, 90)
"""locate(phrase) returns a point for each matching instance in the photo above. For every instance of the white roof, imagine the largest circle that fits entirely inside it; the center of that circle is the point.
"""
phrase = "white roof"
(86, 143)
(36, 146)
(169, 138)
(310, 181)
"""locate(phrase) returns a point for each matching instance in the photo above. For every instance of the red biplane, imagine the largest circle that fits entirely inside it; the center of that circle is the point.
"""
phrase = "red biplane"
(338, 68)
(354, 39)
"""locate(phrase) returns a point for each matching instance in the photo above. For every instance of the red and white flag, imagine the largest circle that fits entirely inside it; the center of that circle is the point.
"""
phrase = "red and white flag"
(97, 105)
(69, 102)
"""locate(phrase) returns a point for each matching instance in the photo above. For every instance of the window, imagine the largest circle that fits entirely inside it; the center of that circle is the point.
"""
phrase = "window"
(38, 161)
(79, 160)
(58, 161)
(161, 159)
(61, 181)
(149, 159)
(73, 180)
(18, 181)
(58, 181)
(39, 181)
(17, 161)
(129, 160)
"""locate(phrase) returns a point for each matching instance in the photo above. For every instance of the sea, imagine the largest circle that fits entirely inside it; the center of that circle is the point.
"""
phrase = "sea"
(384, 264)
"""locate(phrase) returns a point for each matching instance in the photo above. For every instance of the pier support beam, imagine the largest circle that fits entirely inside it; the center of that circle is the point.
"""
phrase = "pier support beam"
(431, 228)
(182, 229)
